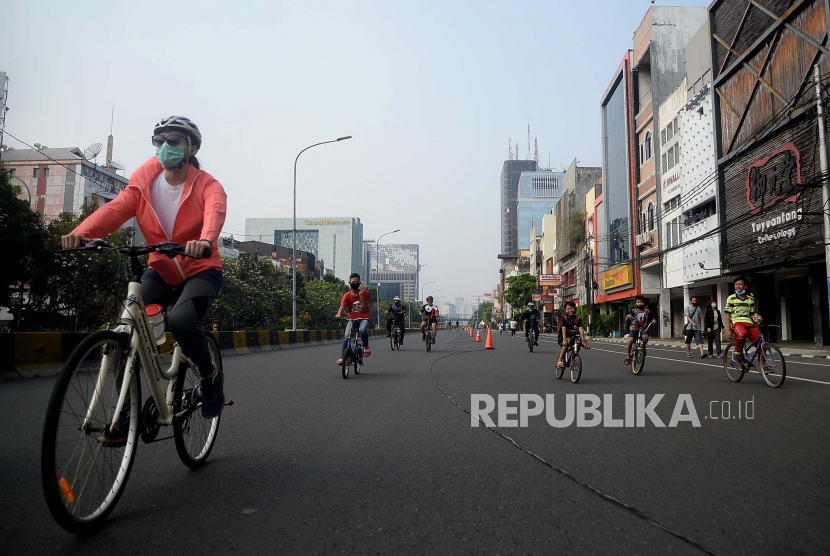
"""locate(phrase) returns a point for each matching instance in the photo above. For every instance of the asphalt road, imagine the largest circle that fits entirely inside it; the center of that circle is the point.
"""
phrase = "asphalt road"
(387, 462)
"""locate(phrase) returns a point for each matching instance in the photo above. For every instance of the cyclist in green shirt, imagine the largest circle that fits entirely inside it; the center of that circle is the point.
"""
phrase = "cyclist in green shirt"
(741, 317)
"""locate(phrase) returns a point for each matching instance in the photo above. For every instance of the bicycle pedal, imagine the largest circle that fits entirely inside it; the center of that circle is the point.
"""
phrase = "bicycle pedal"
(228, 403)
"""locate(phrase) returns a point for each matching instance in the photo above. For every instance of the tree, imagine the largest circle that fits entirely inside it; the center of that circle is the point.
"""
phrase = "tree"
(322, 301)
(519, 290)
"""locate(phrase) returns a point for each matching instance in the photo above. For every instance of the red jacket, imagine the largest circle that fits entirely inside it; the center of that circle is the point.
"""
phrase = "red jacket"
(201, 216)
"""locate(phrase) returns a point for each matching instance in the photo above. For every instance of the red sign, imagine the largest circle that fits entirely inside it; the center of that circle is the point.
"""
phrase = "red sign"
(765, 187)
(537, 297)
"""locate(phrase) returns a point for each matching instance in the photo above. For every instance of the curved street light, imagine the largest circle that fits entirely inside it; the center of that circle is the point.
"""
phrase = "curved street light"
(27, 188)
(422, 288)
(294, 234)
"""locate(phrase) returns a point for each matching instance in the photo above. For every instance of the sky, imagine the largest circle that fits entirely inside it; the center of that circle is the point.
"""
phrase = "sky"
(430, 92)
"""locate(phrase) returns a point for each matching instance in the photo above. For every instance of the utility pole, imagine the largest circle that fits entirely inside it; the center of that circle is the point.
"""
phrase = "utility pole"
(825, 189)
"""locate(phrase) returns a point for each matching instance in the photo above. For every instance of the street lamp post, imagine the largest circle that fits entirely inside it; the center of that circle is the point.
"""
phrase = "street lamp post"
(294, 234)
(422, 289)
(27, 188)
(377, 252)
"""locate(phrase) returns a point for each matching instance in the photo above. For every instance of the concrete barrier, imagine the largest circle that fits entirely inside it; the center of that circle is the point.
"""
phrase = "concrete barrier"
(30, 354)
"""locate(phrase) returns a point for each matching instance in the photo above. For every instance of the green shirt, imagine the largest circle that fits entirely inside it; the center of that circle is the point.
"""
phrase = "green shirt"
(740, 309)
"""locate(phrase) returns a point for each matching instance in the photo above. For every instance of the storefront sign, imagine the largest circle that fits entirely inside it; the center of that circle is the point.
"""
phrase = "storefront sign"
(537, 297)
(550, 279)
(616, 277)
(671, 182)
(768, 182)
(778, 226)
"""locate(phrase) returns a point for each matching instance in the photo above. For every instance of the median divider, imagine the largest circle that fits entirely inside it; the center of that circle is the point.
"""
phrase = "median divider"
(31, 354)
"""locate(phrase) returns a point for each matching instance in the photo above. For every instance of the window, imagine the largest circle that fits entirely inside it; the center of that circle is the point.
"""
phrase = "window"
(35, 172)
(663, 137)
(13, 172)
(643, 222)
(650, 216)
(675, 231)
(669, 132)
(649, 153)
(668, 235)
(46, 172)
(671, 158)
(675, 124)
(642, 153)
(665, 168)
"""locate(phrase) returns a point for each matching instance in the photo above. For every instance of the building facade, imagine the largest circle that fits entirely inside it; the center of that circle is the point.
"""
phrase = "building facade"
(538, 193)
(338, 241)
(767, 145)
(509, 193)
(397, 263)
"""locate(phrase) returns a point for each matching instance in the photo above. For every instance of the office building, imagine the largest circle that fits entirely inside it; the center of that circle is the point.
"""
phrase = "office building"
(397, 263)
(538, 193)
(509, 190)
(336, 240)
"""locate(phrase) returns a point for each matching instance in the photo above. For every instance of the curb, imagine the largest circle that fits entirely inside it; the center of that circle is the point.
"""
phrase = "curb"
(621, 341)
(33, 354)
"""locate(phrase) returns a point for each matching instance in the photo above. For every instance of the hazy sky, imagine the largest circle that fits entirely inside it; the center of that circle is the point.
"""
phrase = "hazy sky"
(431, 91)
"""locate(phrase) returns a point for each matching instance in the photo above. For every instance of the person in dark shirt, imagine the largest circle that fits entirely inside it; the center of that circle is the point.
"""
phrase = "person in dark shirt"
(531, 317)
(641, 320)
(571, 324)
(397, 313)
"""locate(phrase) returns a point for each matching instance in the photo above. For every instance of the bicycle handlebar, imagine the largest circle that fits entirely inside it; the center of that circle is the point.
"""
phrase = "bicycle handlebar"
(167, 248)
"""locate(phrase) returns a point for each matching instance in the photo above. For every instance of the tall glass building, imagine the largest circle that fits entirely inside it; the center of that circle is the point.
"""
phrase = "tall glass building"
(338, 241)
(538, 193)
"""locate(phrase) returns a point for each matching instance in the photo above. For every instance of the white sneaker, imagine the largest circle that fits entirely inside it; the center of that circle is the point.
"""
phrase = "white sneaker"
(737, 357)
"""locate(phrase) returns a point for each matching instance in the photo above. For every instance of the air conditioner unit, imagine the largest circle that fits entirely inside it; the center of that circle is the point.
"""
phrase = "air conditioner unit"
(645, 237)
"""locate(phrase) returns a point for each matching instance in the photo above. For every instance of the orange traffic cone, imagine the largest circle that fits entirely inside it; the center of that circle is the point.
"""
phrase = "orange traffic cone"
(489, 344)
(478, 335)
(471, 332)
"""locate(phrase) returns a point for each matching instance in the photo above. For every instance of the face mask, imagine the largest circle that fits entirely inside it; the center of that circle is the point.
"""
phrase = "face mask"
(397, 303)
(714, 305)
(354, 285)
(170, 157)
(743, 291)
(694, 303)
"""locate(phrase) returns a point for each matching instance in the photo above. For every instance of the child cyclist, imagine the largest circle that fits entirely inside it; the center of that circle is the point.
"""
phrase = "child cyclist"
(571, 324)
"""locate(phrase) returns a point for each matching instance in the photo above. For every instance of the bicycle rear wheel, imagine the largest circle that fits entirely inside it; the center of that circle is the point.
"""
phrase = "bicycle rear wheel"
(358, 360)
(429, 342)
(576, 367)
(639, 361)
(85, 463)
(734, 371)
(529, 342)
(775, 365)
(346, 366)
(194, 436)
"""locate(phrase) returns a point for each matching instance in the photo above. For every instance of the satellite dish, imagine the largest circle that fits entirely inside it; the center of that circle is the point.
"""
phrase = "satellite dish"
(93, 151)
(115, 165)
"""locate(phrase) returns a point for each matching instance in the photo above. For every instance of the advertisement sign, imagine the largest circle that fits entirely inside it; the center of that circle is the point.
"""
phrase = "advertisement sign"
(550, 279)
(616, 277)
(537, 297)
(773, 178)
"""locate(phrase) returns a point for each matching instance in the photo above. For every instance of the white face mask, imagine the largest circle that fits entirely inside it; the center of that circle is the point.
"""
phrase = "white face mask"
(714, 305)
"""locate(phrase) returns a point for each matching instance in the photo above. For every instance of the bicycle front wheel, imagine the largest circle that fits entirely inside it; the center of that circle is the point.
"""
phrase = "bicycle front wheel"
(87, 450)
(774, 371)
(734, 371)
(195, 435)
(530, 344)
(576, 367)
(346, 367)
(639, 361)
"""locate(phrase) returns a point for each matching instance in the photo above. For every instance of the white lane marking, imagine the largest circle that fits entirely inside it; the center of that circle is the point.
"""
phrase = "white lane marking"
(710, 365)
(793, 360)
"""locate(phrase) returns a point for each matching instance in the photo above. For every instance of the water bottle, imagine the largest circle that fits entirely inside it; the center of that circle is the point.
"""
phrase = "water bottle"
(156, 322)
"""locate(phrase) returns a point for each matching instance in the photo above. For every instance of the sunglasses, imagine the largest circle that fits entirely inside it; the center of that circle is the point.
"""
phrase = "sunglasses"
(174, 140)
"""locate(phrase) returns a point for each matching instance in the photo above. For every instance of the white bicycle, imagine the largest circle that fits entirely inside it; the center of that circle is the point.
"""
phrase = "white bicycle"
(95, 414)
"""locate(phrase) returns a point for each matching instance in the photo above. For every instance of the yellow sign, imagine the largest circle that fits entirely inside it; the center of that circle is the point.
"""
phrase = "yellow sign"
(616, 277)
(327, 222)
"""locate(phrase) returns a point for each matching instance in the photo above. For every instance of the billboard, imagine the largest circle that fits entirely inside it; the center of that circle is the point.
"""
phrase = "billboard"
(550, 279)
(616, 277)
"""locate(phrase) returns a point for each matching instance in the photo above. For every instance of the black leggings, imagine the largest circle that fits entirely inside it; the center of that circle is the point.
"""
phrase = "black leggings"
(192, 300)
(401, 325)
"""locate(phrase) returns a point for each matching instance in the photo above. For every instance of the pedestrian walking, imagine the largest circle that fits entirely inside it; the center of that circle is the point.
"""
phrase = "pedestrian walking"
(513, 328)
(714, 327)
(693, 316)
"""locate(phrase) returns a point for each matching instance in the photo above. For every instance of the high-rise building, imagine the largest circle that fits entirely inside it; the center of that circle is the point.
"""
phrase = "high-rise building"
(397, 263)
(459, 301)
(448, 310)
(538, 193)
(509, 190)
(336, 240)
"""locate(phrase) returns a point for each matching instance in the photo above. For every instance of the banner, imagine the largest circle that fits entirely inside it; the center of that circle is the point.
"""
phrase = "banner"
(616, 277)
(550, 279)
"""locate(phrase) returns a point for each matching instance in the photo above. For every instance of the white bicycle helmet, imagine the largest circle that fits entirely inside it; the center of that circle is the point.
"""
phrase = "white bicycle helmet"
(180, 122)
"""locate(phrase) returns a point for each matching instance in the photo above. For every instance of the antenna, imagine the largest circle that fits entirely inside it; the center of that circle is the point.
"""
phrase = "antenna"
(93, 151)
(509, 148)
(528, 141)
(517, 150)
(536, 150)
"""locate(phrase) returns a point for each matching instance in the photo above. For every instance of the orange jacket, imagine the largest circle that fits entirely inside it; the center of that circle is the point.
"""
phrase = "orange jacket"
(201, 216)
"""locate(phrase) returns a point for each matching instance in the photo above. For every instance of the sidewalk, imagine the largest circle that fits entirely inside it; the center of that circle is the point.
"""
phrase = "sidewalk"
(789, 349)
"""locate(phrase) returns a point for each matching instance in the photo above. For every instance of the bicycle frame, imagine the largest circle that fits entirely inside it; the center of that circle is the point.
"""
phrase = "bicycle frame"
(354, 336)
(142, 343)
(758, 345)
